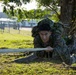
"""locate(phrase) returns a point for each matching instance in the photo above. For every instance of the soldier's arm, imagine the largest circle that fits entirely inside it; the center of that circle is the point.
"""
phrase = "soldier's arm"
(60, 45)
(49, 49)
(37, 43)
(61, 49)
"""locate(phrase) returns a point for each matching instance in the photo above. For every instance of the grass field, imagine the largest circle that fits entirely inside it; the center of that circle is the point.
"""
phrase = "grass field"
(14, 39)
(37, 67)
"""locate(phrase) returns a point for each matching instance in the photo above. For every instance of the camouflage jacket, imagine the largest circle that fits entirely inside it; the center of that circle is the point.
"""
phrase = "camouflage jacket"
(56, 41)
(60, 51)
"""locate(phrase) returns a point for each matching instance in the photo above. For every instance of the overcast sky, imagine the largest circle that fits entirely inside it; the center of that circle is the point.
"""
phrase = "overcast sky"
(31, 5)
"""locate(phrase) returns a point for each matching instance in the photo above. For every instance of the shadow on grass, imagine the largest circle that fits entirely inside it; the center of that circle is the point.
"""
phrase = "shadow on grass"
(33, 59)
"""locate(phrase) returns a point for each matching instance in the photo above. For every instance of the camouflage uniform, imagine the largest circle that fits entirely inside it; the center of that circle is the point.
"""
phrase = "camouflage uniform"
(39, 44)
(61, 50)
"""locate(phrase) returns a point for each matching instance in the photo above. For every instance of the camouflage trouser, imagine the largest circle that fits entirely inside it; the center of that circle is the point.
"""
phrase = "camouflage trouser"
(66, 56)
(72, 54)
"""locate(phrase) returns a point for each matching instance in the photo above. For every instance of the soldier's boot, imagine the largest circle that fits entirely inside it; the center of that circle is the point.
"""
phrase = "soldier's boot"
(27, 59)
(73, 58)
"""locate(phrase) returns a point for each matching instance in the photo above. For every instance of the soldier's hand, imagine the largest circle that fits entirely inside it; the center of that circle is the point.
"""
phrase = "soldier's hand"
(49, 49)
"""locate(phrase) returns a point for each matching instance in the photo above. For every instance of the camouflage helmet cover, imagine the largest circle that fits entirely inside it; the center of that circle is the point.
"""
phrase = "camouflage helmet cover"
(45, 24)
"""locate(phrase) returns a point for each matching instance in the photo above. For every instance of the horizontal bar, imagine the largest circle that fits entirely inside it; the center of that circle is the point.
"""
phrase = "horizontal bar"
(21, 50)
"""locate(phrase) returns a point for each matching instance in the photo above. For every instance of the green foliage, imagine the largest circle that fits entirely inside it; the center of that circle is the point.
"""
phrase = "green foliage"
(32, 14)
(5, 1)
(54, 18)
(48, 2)
(52, 4)
(36, 14)
(12, 10)
(18, 2)
(20, 14)
(44, 2)
(4, 9)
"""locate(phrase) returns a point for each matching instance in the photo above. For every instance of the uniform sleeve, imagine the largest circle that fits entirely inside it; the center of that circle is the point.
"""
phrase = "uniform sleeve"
(58, 42)
(61, 49)
(37, 43)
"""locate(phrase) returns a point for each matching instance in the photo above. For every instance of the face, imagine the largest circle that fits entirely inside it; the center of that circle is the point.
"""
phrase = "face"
(44, 35)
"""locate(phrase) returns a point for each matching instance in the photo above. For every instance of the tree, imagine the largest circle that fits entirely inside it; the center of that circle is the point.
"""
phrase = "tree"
(4, 9)
(20, 14)
(67, 13)
(11, 12)
(51, 4)
(18, 2)
(65, 10)
(35, 13)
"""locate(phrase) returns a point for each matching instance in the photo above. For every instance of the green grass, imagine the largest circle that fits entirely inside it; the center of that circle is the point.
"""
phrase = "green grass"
(45, 67)
(38, 67)
(16, 40)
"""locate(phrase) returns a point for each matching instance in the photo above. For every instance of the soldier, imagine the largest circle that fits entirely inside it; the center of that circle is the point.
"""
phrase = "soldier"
(48, 34)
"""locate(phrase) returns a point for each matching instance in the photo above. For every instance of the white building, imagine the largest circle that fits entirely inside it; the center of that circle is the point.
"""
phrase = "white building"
(3, 15)
(30, 23)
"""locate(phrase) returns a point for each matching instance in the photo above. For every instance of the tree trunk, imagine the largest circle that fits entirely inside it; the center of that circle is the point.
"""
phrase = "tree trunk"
(68, 17)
